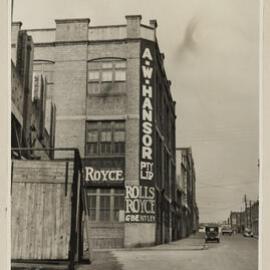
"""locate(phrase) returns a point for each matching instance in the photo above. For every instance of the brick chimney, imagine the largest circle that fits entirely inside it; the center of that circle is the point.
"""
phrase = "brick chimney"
(133, 26)
(72, 29)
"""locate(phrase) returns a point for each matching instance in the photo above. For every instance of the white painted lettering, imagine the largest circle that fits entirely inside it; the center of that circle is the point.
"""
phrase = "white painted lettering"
(147, 104)
(147, 140)
(147, 72)
(147, 54)
(146, 153)
(103, 175)
(147, 128)
(147, 91)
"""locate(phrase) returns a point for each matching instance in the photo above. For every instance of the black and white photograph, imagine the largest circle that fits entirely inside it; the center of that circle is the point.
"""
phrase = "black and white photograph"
(135, 134)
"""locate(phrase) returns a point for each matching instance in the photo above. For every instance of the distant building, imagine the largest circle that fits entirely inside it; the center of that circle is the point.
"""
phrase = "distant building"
(249, 218)
(236, 221)
(114, 104)
(186, 190)
(29, 103)
(255, 218)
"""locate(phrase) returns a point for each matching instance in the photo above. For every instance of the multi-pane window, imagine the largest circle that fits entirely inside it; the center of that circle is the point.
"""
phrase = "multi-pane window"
(118, 203)
(92, 206)
(107, 70)
(105, 138)
(105, 204)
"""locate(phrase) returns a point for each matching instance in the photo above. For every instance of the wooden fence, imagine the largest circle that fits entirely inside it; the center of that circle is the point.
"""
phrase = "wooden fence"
(46, 211)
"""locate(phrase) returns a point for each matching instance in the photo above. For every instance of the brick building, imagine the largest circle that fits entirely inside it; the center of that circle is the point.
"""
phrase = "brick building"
(186, 192)
(249, 218)
(255, 218)
(114, 104)
(236, 220)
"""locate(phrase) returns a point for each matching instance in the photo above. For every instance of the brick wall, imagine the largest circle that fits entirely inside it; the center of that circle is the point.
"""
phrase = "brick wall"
(70, 82)
(140, 234)
(44, 53)
(104, 236)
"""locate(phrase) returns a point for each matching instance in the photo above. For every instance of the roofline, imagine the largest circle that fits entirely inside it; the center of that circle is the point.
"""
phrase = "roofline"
(87, 20)
(41, 29)
(89, 27)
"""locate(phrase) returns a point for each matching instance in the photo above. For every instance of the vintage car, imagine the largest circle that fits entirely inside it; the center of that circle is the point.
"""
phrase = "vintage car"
(248, 233)
(201, 229)
(212, 233)
(227, 230)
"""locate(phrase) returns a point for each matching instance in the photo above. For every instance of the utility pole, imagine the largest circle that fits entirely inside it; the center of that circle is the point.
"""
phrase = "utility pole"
(250, 216)
(246, 214)
(12, 11)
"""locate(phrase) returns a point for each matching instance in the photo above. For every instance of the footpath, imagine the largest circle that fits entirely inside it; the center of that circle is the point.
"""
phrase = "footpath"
(107, 259)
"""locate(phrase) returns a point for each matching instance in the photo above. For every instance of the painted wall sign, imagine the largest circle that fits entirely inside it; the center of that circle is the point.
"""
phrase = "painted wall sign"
(140, 204)
(147, 113)
(91, 174)
(104, 172)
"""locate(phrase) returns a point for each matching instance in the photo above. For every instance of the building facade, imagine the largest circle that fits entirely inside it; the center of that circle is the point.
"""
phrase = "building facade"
(32, 114)
(114, 104)
(255, 218)
(236, 221)
(186, 190)
(249, 218)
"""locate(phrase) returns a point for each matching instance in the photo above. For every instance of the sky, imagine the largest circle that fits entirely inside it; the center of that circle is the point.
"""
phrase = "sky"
(211, 52)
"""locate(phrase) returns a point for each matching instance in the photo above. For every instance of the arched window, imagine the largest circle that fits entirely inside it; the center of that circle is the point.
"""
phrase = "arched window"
(107, 70)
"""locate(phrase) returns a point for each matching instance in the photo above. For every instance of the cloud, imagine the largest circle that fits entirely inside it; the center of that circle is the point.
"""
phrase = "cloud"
(189, 43)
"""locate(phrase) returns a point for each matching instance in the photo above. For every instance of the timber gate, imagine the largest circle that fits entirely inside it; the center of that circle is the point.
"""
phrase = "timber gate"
(46, 209)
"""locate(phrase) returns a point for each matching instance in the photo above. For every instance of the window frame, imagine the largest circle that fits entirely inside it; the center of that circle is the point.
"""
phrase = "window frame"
(101, 69)
(112, 210)
(112, 146)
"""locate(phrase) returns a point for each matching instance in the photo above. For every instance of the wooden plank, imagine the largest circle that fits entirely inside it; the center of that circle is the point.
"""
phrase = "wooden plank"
(24, 203)
(60, 248)
(29, 228)
(50, 221)
(57, 221)
(29, 231)
(14, 221)
(43, 203)
(34, 214)
(67, 220)
(63, 217)
(58, 180)
(65, 213)
(38, 212)
(23, 219)
(17, 233)
(45, 229)
(53, 223)
(39, 172)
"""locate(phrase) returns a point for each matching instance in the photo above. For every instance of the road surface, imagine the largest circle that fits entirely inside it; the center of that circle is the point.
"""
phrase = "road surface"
(232, 253)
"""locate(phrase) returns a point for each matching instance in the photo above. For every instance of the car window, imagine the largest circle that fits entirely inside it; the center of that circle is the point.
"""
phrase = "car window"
(212, 229)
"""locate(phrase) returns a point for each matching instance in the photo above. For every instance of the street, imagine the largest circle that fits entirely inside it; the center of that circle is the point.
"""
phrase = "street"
(233, 253)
